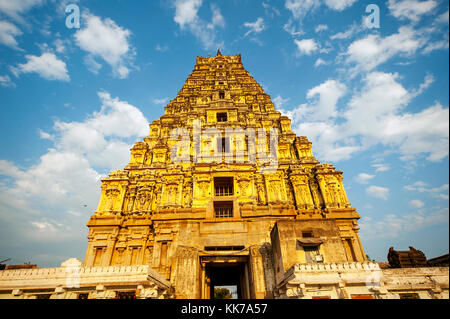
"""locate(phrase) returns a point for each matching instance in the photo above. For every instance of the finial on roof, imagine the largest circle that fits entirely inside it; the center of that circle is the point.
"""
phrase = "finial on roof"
(218, 52)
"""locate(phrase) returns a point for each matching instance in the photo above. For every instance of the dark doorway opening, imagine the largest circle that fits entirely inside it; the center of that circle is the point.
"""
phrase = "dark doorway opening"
(227, 276)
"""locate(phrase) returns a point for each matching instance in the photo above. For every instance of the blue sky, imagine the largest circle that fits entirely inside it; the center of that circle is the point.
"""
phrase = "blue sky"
(374, 102)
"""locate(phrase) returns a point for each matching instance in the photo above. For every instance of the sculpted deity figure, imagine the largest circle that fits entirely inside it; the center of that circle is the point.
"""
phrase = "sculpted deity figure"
(317, 197)
(243, 185)
(157, 198)
(172, 194)
(275, 191)
(261, 193)
(333, 193)
(188, 196)
(131, 198)
(203, 187)
(111, 194)
(143, 199)
(299, 194)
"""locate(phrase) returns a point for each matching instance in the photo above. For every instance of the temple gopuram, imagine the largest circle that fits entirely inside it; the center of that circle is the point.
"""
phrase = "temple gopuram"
(222, 194)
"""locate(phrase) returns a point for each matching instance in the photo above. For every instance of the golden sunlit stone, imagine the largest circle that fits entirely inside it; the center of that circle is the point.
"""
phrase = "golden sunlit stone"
(222, 194)
(212, 178)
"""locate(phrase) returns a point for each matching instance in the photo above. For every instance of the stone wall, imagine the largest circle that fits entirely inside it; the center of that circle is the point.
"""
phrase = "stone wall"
(70, 281)
(288, 242)
(362, 280)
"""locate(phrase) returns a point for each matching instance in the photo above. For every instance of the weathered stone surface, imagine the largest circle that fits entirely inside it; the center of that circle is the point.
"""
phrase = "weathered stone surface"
(220, 189)
(219, 169)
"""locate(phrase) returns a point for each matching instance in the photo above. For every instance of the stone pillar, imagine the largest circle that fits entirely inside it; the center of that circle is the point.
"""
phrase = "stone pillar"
(185, 274)
(261, 276)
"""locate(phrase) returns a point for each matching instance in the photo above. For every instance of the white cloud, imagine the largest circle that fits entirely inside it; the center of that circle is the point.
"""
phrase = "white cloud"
(329, 94)
(381, 96)
(376, 114)
(15, 8)
(186, 16)
(350, 32)
(300, 8)
(44, 225)
(324, 106)
(291, 29)
(315, 120)
(48, 66)
(161, 48)
(393, 225)
(59, 178)
(378, 192)
(60, 45)
(100, 137)
(339, 5)
(62, 5)
(320, 62)
(417, 186)
(436, 192)
(255, 27)
(217, 18)
(162, 101)
(45, 229)
(279, 102)
(436, 45)
(8, 34)
(411, 9)
(423, 132)
(92, 65)
(429, 79)
(45, 135)
(416, 203)
(306, 46)
(5, 81)
(186, 11)
(108, 41)
(321, 27)
(373, 50)
(326, 137)
(48, 197)
(271, 11)
(381, 167)
(443, 18)
(364, 178)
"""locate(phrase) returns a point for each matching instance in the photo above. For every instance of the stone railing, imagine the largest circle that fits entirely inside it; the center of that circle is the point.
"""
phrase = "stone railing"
(346, 266)
(72, 275)
(363, 278)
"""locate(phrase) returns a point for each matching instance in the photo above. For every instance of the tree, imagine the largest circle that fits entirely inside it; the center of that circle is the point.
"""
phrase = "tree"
(222, 293)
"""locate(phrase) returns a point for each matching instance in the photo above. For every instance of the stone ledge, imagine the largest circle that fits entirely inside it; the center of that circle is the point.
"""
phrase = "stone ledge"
(70, 274)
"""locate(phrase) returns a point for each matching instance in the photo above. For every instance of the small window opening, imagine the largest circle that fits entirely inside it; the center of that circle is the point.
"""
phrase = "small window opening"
(223, 186)
(126, 295)
(222, 117)
(307, 234)
(223, 209)
(224, 248)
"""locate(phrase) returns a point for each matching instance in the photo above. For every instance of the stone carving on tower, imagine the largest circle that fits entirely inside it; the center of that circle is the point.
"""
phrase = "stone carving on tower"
(220, 161)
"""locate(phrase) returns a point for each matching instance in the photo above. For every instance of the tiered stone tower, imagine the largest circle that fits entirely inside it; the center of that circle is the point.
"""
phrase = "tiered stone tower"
(221, 188)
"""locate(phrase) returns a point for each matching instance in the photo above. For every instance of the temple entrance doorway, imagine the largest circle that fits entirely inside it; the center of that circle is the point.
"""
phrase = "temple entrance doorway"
(225, 277)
